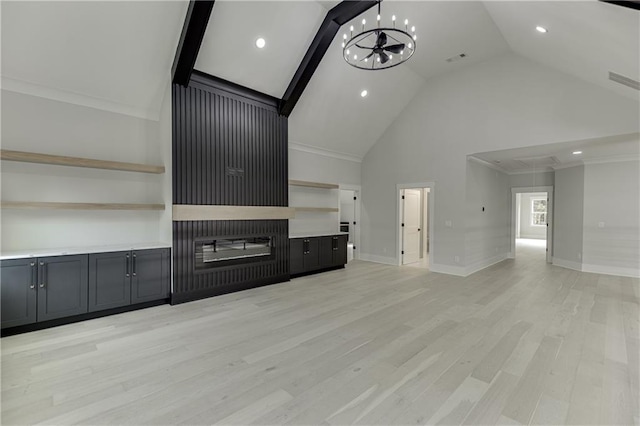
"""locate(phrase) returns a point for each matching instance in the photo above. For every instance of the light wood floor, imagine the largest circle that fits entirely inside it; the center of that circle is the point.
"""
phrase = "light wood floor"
(521, 342)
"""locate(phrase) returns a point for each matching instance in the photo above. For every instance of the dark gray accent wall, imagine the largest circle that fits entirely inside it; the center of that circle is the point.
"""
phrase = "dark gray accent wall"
(229, 148)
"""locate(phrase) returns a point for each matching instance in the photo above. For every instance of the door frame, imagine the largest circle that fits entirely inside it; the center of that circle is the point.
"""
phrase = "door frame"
(512, 233)
(430, 217)
(357, 189)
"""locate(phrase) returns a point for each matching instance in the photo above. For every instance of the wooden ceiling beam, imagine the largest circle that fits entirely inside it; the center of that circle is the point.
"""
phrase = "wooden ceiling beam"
(195, 26)
(335, 18)
(629, 4)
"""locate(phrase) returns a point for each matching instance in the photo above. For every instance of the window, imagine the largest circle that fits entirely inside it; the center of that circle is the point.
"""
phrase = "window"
(539, 212)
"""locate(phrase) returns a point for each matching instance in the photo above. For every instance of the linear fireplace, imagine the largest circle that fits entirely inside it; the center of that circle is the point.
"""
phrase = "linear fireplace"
(216, 252)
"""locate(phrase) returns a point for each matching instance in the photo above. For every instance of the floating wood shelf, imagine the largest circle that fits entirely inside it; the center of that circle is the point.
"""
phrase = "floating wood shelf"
(40, 205)
(185, 212)
(313, 184)
(317, 209)
(32, 157)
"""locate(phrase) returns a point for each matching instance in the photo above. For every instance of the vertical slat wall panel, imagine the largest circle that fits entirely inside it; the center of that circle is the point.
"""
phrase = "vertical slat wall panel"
(213, 130)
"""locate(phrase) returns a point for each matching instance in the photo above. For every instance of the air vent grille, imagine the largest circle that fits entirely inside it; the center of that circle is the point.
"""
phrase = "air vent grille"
(624, 80)
(457, 57)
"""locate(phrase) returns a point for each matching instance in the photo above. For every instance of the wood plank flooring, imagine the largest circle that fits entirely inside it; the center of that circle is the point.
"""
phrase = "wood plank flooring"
(521, 342)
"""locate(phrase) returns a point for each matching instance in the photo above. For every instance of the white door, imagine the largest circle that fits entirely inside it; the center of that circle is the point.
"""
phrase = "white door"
(411, 226)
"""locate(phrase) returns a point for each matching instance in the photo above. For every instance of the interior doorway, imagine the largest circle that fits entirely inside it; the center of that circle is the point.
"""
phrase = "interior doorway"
(532, 221)
(350, 218)
(415, 209)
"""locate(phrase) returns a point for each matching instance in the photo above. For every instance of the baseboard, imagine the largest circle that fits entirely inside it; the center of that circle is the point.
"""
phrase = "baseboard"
(611, 270)
(576, 266)
(378, 259)
(447, 269)
(478, 266)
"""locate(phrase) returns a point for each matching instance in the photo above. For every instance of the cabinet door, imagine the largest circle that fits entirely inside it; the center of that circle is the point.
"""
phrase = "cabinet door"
(296, 255)
(311, 257)
(18, 292)
(325, 252)
(150, 275)
(63, 284)
(340, 250)
(109, 280)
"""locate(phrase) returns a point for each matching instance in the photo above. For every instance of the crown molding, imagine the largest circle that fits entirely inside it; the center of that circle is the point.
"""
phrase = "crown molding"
(26, 88)
(612, 159)
(324, 152)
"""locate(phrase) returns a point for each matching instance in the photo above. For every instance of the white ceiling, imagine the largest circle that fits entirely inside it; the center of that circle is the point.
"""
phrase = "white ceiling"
(331, 115)
(115, 53)
(586, 39)
(229, 51)
(120, 54)
(559, 155)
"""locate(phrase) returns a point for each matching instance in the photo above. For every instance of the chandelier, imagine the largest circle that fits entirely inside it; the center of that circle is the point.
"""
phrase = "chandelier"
(379, 48)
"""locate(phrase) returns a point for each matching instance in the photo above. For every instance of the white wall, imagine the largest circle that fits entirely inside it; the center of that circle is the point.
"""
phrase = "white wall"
(531, 179)
(611, 238)
(508, 102)
(568, 217)
(41, 125)
(487, 231)
(526, 229)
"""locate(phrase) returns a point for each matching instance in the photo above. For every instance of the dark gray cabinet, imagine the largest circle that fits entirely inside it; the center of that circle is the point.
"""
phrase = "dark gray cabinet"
(317, 253)
(109, 280)
(62, 286)
(150, 275)
(42, 289)
(128, 277)
(18, 292)
(35, 290)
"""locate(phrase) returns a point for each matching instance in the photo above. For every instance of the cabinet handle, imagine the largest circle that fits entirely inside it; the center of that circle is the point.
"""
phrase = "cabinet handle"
(42, 273)
(33, 276)
(127, 271)
(134, 265)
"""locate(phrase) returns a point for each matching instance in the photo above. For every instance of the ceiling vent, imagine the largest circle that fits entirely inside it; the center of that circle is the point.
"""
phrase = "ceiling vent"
(457, 57)
(538, 162)
(623, 80)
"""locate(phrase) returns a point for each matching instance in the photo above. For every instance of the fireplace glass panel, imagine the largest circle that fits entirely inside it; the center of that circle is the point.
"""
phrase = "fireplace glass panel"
(211, 253)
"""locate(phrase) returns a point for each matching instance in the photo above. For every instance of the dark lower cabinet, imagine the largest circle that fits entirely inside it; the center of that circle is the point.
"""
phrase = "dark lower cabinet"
(297, 254)
(62, 286)
(41, 289)
(109, 280)
(317, 253)
(150, 275)
(18, 292)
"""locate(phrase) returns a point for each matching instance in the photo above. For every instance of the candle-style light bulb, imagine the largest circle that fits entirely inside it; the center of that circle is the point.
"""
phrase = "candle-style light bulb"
(355, 57)
(344, 36)
(413, 29)
(410, 46)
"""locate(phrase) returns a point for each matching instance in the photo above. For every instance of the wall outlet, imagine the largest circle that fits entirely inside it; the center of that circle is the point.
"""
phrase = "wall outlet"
(448, 224)
(457, 259)
(600, 224)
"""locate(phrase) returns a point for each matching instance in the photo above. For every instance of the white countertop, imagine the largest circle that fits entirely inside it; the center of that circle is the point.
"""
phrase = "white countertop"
(20, 254)
(316, 234)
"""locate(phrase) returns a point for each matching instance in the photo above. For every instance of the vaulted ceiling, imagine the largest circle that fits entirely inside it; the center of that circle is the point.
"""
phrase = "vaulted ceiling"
(118, 55)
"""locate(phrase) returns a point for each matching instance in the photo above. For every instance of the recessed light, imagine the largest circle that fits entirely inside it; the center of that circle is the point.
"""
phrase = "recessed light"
(541, 29)
(577, 152)
(364, 93)
(260, 43)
